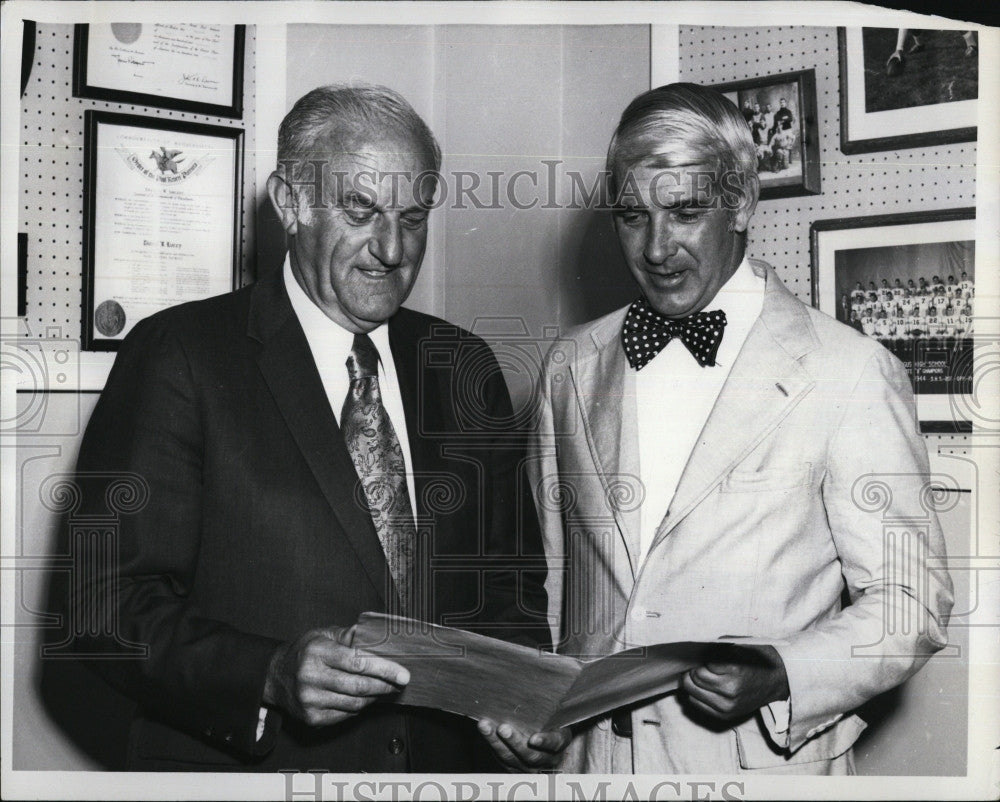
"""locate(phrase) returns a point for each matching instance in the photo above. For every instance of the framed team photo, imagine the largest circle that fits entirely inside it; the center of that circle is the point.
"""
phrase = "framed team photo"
(906, 88)
(908, 281)
(781, 113)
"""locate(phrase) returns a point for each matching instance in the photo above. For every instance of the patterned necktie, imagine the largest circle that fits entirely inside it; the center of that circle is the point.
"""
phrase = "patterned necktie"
(378, 459)
(646, 332)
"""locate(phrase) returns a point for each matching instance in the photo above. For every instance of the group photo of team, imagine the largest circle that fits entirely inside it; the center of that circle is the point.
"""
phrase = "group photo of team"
(773, 116)
(916, 299)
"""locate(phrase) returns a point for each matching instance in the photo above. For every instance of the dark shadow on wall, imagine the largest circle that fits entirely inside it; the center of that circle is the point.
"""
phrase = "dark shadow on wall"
(270, 254)
(595, 279)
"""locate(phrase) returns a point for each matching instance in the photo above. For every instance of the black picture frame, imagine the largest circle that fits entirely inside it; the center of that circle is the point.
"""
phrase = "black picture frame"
(894, 130)
(92, 167)
(27, 52)
(84, 88)
(873, 237)
(805, 126)
(22, 274)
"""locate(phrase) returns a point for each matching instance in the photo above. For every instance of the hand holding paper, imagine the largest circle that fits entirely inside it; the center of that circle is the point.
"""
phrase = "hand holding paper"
(533, 692)
(525, 752)
(734, 689)
(321, 679)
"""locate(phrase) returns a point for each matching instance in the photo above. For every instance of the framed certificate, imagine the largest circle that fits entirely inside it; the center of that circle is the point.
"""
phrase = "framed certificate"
(909, 281)
(162, 204)
(193, 68)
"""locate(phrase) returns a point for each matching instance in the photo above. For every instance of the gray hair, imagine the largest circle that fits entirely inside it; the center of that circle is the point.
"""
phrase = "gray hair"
(354, 109)
(686, 124)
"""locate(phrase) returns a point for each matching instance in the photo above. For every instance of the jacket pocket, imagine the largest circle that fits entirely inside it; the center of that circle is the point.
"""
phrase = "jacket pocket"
(756, 750)
(784, 478)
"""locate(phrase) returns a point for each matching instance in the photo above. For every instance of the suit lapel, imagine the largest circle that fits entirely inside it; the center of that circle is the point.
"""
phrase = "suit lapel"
(764, 385)
(606, 394)
(288, 368)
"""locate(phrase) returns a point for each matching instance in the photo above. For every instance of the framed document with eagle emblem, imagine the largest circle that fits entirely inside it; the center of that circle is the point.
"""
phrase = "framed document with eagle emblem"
(162, 205)
(170, 65)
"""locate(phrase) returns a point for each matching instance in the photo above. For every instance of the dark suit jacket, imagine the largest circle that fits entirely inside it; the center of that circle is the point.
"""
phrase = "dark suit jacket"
(253, 531)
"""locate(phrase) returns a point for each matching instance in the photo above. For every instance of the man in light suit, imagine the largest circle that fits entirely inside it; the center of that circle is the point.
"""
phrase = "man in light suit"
(715, 461)
(309, 452)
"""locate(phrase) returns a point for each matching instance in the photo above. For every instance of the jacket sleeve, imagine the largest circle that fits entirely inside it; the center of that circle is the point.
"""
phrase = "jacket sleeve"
(543, 475)
(879, 504)
(201, 674)
(515, 564)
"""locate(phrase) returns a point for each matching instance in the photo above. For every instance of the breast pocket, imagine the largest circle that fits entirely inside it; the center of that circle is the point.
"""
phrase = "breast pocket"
(767, 479)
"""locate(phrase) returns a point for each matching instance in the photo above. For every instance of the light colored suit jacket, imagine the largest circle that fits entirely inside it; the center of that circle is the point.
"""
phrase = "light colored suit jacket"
(809, 475)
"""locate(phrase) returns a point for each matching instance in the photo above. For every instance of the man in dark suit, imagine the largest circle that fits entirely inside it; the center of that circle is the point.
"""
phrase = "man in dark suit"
(311, 451)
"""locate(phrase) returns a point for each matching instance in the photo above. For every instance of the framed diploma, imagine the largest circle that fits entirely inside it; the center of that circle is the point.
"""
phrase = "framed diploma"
(193, 68)
(162, 204)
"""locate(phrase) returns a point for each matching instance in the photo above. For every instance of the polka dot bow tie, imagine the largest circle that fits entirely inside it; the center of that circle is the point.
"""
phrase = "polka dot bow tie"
(646, 332)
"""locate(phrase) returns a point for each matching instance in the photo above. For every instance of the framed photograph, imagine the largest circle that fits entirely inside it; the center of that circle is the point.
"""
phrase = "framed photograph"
(781, 113)
(162, 205)
(193, 68)
(909, 281)
(906, 88)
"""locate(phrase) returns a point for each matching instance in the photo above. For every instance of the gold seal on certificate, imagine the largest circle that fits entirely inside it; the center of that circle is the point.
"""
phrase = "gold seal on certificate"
(109, 318)
(162, 201)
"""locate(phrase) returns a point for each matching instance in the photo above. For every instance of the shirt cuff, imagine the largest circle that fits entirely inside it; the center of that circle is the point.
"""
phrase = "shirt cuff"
(777, 718)
(261, 723)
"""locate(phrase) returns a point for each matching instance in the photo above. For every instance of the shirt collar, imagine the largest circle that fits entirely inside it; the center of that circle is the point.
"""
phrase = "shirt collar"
(326, 335)
(742, 299)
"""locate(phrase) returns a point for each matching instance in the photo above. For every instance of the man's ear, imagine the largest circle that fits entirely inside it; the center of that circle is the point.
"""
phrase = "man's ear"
(742, 215)
(285, 203)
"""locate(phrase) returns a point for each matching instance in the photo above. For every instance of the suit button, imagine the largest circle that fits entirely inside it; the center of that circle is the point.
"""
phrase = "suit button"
(396, 746)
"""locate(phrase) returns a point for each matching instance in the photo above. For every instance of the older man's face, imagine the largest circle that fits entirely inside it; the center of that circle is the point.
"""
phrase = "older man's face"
(679, 242)
(358, 254)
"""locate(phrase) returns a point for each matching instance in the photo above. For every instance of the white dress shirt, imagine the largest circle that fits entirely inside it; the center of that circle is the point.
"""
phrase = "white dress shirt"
(674, 396)
(331, 345)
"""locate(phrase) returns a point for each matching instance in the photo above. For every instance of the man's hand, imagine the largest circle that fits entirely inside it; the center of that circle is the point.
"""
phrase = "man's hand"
(321, 679)
(525, 753)
(729, 690)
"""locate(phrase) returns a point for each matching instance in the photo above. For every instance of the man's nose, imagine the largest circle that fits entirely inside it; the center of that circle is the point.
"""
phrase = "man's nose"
(660, 244)
(386, 243)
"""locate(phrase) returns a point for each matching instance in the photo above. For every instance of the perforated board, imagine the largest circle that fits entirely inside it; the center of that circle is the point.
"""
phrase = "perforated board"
(51, 178)
(873, 183)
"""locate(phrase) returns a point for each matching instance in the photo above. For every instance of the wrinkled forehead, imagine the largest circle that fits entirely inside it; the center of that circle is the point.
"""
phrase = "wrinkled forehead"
(388, 170)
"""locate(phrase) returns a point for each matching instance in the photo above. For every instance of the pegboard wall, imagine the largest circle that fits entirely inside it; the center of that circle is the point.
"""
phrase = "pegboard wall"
(51, 179)
(887, 182)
